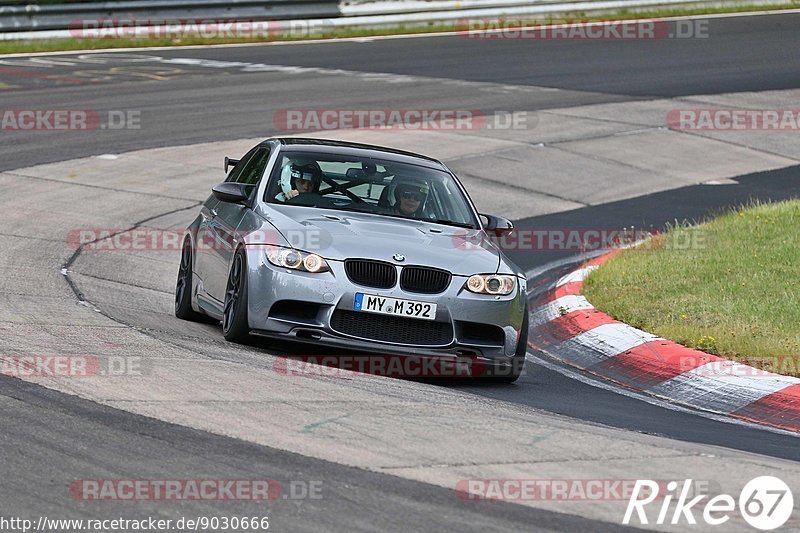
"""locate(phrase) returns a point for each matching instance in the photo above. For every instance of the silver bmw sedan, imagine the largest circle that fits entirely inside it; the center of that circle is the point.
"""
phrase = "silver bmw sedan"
(358, 247)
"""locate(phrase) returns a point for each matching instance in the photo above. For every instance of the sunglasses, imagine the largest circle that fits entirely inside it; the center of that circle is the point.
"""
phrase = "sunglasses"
(411, 195)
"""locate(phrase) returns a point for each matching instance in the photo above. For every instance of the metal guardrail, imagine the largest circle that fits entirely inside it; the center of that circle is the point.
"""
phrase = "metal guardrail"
(30, 16)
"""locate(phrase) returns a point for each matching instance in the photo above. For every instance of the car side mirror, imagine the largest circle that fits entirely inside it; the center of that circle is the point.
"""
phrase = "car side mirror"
(230, 163)
(498, 225)
(232, 193)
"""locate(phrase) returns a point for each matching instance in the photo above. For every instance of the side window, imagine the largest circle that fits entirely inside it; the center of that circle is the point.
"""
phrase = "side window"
(234, 174)
(253, 168)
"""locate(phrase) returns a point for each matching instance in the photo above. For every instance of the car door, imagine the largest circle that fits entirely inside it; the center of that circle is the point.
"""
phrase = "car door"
(223, 227)
(205, 257)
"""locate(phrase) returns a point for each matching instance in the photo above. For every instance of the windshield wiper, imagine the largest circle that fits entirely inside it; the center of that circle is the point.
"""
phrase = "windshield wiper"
(432, 220)
(353, 209)
(449, 223)
(371, 211)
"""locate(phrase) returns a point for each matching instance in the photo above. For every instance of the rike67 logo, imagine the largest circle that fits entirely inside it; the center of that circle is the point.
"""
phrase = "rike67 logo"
(765, 502)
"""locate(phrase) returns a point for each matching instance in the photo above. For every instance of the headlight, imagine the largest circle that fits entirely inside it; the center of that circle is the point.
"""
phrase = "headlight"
(491, 284)
(296, 260)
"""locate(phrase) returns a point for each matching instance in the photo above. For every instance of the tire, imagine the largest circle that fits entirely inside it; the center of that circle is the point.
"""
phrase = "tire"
(183, 287)
(235, 326)
(512, 373)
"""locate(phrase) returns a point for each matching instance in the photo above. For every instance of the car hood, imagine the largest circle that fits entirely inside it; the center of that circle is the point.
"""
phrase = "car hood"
(340, 235)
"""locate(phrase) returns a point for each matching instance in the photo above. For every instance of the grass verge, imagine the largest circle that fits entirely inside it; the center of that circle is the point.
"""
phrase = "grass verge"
(728, 287)
(52, 45)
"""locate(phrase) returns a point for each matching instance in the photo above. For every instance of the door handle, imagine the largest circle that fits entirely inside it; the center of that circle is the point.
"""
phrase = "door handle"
(213, 213)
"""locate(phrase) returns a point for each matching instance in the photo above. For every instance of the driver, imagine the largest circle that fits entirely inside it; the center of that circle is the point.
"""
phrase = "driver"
(410, 198)
(303, 178)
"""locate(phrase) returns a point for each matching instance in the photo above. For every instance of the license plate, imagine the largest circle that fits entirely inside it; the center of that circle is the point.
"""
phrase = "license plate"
(372, 303)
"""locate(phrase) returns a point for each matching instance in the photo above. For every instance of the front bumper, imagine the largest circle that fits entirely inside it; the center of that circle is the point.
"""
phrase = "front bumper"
(459, 312)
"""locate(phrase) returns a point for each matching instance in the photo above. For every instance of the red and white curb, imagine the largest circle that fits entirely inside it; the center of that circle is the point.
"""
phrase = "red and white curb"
(568, 328)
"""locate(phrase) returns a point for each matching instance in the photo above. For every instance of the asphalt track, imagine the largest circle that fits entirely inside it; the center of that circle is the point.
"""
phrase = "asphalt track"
(740, 54)
(196, 105)
(354, 500)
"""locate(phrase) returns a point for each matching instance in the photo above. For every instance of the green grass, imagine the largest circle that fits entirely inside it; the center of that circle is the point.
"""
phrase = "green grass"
(730, 286)
(50, 45)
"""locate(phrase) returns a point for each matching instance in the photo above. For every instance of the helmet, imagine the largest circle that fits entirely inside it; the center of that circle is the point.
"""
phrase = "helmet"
(307, 172)
(411, 188)
(297, 170)
(421, 188)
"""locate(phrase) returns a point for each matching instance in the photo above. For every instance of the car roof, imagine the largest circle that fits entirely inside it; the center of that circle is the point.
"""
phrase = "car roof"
(356, 149)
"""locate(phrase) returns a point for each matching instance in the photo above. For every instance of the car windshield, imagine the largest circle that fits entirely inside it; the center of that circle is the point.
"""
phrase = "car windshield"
(368, 185)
